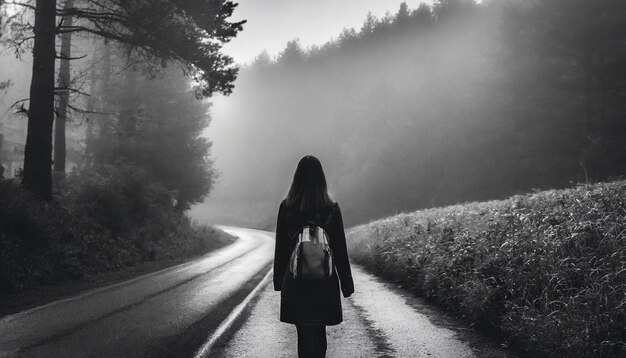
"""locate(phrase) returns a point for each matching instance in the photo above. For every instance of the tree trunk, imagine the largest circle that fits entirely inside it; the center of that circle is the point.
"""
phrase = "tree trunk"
(64, 94)
(106, 107)
(89, 136)
(38, 152)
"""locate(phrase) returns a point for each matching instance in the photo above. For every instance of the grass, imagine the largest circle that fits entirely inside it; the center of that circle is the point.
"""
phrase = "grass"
(546, 271)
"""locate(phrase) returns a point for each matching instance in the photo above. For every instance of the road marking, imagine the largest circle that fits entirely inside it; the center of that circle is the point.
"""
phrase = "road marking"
(91, 292)
(228, 322)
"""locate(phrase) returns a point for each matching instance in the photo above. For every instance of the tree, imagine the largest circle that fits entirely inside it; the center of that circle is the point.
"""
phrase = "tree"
(566, 57)
(188, 32)
(159, 130)
(423, 14)
(38, 151)
(262, 60)
(452, 10)
(64, 92)
(402, 17)
(292, 55)
(369, 24)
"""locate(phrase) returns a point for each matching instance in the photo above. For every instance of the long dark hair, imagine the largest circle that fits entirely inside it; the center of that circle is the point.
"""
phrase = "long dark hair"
(309, 191)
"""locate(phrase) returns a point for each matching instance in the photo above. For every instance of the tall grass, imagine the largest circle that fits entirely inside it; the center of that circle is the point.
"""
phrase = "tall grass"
(546, 271)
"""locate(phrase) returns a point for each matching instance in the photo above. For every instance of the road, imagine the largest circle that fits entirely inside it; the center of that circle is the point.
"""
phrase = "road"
(223, 305)
(380, 320)
(165, 314)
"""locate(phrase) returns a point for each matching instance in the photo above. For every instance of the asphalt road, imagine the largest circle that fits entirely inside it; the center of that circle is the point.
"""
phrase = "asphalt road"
(165, 314)
(223, 305)
(380, 320)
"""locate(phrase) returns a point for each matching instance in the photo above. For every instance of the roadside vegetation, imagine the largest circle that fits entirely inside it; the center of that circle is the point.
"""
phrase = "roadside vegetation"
(546, 271)
(130, 157)
(95, 224)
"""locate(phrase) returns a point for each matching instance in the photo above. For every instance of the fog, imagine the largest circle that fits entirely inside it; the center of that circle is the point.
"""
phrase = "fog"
(18, 73)
(445, 103)
(425, 107)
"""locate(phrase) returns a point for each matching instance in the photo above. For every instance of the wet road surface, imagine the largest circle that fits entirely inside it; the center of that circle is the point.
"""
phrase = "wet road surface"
(379, 321)
(165, 314)
(223, 305)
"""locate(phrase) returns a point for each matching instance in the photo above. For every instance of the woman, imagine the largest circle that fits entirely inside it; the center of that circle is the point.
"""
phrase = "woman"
(310, 304)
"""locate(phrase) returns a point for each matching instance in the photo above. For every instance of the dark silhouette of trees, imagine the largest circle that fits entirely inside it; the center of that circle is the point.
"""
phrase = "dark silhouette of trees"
(448, 103)
(187, 32)
(569, 58)
(150, 120)
(292, 55)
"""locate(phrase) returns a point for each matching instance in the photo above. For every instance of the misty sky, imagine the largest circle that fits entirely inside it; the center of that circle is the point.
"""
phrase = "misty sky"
(271, 23)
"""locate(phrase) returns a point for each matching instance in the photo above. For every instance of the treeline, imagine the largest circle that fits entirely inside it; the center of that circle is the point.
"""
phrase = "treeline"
(442, 104)
(188, 34)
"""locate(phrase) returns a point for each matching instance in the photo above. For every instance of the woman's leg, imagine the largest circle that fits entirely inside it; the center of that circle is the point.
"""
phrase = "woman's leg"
(306, 344)
(321, 339)
(311, 341)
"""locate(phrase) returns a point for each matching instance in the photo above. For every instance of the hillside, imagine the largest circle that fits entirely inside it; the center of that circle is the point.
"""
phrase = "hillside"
(546, 271)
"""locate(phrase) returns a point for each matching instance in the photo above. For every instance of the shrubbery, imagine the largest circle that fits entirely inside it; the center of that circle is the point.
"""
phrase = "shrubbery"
(96, 223)
(547, 270)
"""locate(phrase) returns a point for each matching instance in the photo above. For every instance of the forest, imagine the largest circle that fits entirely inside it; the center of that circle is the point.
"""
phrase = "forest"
(114, 153)
(442, 104)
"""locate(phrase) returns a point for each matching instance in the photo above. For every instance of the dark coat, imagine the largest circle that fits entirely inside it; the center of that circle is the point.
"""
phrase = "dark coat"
(311, 302)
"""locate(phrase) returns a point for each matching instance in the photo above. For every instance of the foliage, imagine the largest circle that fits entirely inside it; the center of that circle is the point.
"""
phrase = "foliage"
(158, 127)
(190, 33)
(546, 270)
(96, 223)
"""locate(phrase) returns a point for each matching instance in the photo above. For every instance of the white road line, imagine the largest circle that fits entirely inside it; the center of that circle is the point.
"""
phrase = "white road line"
(206, 348)
(94, 291)
(9, 318)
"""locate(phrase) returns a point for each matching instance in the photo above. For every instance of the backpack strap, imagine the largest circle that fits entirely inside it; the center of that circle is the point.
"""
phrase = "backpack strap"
(322, 220)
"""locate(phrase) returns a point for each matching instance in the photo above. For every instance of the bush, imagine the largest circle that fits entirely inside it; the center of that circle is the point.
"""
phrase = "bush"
(547, 271)
(96, 223)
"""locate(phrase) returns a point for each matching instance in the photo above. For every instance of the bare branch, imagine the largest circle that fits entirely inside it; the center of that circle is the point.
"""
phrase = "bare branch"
(58, 90)
(69, 58)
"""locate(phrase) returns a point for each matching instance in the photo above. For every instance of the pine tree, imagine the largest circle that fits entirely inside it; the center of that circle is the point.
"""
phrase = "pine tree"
(188, 32)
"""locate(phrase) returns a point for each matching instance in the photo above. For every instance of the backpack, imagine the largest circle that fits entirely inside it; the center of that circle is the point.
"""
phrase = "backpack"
(312, 258)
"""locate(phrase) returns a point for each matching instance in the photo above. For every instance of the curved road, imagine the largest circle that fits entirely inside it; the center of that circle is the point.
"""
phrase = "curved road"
(163, 314)
(222, 305)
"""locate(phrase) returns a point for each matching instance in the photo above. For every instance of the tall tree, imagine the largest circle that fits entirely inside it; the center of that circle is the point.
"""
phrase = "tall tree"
(189, 32)
(37, 153)
(293, 55)
(159, 129)
(369, 24)
(63, 92)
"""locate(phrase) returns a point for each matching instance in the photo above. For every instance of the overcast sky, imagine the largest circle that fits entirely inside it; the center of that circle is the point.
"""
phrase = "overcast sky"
(271, 23)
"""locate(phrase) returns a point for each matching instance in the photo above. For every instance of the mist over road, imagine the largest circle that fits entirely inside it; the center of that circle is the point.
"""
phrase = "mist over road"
(167, 313)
